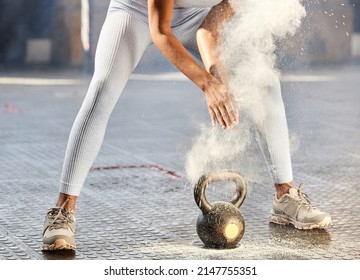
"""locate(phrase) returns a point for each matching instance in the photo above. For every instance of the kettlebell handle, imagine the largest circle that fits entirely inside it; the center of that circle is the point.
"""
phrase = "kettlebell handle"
(225, 175)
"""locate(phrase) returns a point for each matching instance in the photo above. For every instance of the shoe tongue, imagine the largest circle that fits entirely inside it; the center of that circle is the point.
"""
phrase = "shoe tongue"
(293, 192)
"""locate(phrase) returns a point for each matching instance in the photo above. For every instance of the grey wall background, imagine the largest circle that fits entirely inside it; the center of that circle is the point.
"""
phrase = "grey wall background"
(47, 33)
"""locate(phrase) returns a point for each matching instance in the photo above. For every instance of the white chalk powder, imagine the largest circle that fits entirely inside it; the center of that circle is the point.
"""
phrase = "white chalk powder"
(247, 50)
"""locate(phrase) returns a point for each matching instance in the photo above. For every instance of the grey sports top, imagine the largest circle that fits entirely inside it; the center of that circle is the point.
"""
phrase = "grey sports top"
(196, 3)
(183, 8)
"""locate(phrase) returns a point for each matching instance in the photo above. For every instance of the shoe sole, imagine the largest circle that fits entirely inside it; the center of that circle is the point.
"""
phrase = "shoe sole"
(284, 220)
(59, 244)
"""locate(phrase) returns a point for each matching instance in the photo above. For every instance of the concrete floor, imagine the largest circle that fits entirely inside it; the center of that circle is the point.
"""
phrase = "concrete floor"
(145, 213)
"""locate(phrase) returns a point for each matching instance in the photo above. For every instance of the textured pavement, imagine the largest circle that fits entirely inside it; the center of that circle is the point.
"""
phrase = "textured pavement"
(133, 208)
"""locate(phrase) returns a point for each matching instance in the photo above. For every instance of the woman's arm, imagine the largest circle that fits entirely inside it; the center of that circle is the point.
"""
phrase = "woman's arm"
(208, 38)
(218, 99)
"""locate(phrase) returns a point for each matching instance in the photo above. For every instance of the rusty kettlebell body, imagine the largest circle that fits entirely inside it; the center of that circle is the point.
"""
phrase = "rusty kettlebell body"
(220, 225)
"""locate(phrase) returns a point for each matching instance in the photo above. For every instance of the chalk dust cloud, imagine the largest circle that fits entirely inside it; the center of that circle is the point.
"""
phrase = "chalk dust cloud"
(247, 50)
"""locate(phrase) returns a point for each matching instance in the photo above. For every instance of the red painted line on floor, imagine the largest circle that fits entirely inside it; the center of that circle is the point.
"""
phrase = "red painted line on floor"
(11, 109)
(149, 166)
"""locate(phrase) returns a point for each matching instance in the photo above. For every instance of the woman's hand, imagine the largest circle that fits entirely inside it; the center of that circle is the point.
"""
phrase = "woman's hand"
(220, 105)
(217, 97)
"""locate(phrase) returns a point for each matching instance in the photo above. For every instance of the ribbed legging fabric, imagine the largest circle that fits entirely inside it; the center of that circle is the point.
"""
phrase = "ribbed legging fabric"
(122, 42)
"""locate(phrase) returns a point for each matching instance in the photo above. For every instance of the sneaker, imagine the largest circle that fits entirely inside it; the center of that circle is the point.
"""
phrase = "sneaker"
(295, 208)
(59, 229)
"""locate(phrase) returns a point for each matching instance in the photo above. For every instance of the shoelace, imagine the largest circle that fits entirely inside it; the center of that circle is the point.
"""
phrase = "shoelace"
(304, 198)
(60, 219)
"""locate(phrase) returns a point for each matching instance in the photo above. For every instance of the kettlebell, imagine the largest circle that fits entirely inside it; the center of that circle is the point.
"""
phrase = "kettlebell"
(220, 225)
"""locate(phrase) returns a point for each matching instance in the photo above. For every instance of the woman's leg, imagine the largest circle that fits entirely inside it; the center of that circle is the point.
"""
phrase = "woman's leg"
(275, 133)
(290, 206)
(275, 124)
(121, 44)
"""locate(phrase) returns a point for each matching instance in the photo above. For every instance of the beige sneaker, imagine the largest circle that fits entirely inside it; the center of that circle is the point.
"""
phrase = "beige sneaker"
(295, 208)
(59, 229)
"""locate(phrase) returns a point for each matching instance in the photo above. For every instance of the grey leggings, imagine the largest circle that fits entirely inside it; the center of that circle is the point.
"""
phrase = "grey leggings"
(123, 40)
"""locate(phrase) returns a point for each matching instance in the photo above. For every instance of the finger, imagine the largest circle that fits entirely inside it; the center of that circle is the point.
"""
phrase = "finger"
(233, 113)
(225, 116)
(237, 115)
(212, 116)
(219, 117)
(228, 121)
